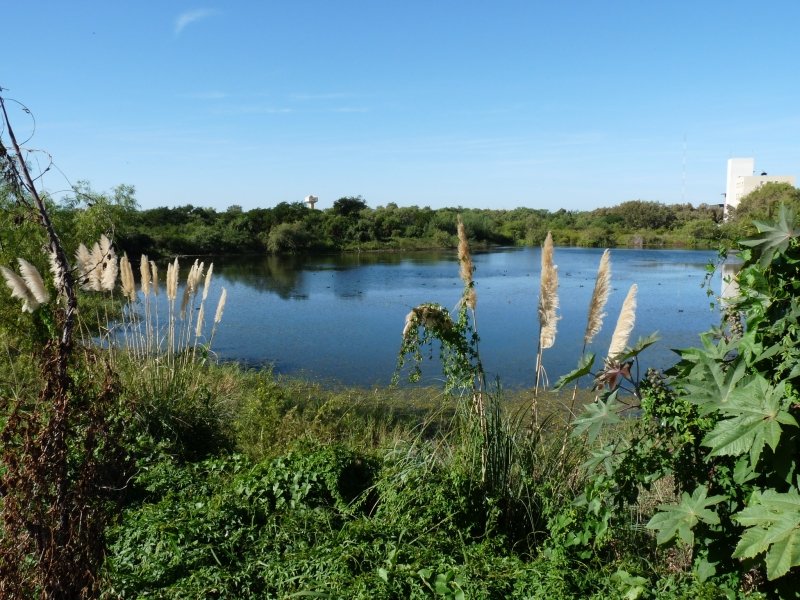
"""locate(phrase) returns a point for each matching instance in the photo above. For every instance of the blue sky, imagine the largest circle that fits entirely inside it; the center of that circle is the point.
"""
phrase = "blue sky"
(552, 105)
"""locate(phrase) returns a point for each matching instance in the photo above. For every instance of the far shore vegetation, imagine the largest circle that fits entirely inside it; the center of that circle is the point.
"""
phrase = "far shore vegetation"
(352, 225)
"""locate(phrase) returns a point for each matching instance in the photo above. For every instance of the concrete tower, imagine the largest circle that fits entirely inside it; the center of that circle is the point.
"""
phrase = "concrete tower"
(738, 169)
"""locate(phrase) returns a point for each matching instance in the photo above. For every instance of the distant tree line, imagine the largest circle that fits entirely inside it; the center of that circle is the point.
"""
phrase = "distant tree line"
(350, 224)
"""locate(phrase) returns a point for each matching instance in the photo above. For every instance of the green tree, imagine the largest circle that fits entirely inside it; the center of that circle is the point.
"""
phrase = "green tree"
(641, 214)
(286, 212)
(349, 206)
(95, 213)
(288, 238)
(762, 204)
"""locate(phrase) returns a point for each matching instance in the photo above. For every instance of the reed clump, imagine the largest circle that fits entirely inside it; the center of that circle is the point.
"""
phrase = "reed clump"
(157, 344)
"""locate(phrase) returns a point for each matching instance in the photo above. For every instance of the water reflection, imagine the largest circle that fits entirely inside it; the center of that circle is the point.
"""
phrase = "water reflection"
(340, 316)
(281, 275)
(288, 276)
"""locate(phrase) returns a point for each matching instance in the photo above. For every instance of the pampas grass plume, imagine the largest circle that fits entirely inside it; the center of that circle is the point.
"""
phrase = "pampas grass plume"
(207, 282)
(466, 267)
(109, 277)
(187, 291)
(19, 289)
(144, 271)
(201, 314)
(221, 306)
(126, 274)
(154, 273)
(602, 287)
(94, 275)
(625, 322)
(105, 247)
(172, 280)
(411, 321)
(548, 296)
(59, 281)
(430, 316)
(34, 281)
(84, 259)
(195, 273)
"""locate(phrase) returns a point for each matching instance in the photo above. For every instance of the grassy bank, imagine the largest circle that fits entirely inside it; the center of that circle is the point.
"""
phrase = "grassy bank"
(347, 493)
(177, 477)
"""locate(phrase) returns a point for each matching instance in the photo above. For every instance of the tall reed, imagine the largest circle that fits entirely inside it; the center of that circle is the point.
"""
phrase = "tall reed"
(159, 353)
(597, 304)
(595, 315)
(625, 323)
(548, 317)
(469, 301)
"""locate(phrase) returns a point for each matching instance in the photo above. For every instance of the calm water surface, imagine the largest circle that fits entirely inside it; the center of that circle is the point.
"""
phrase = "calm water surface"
(339, 318)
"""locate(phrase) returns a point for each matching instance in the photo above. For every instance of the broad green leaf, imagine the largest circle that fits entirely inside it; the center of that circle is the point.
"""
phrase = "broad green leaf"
(772, 238)
(584, 368)
(755, 418)
(710, 387)
(640, 345)
(679, 520)
(743, 471)
(714, 349)
(632, 586)
(607, 456)
(704, 569)
(597, 415)
(773, 521)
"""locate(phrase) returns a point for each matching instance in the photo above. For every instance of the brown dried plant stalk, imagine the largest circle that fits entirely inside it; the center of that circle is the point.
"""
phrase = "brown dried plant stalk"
(57, 446)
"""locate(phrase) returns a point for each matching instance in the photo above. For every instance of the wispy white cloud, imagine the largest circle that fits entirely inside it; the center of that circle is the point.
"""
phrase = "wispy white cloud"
(191, 16)
(350, 109)
(209, 95)
(322, 96)
(253, 109)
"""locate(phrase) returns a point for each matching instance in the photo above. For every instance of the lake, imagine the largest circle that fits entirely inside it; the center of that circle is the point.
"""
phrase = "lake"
(339, 318)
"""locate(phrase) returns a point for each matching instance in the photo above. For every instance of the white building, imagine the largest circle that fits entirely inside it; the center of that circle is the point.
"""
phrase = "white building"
(741, 180)
(311, 201)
